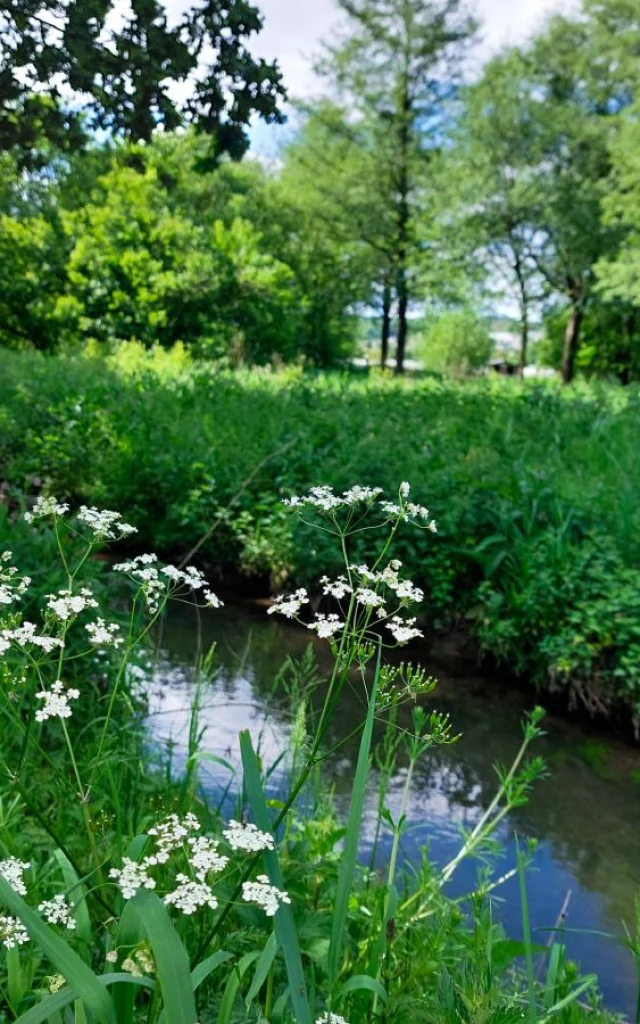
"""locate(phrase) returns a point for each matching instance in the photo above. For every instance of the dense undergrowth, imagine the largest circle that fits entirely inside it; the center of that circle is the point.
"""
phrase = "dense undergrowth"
(126, 896)
(535, 490)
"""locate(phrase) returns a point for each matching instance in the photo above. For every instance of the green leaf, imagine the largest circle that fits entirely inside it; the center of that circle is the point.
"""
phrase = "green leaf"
(352, 837)
(589, 982)
(263, 967)
(204, 755)
(363, 983)
(78, 894)
(81, 979)
(172, 962)
(203, 970)
(283, 921)
(233, 984)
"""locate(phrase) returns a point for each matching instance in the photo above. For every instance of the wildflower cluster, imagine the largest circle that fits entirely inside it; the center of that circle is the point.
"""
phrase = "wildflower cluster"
(25, 635)
(12, 932)
(104, 524)
(58, 911)
(65, 605)
(325, 501)
(56, 701)
(159, 582)
(103, 635)
(13, 871)
(46, 507)
(175, 836)
(264, 894)
(12, 586)
(331, 1018)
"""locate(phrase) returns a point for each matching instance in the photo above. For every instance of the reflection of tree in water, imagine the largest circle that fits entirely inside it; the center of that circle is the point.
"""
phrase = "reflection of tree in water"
(592, 824)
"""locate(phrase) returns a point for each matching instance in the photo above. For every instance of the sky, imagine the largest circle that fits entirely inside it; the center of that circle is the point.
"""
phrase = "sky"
(294, 30)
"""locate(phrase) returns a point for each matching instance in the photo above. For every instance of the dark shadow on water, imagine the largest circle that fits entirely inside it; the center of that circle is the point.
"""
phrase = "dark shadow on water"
(586, 816)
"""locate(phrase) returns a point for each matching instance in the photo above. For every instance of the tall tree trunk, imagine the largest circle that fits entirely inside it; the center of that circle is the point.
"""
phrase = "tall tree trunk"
(386, 324)
(571, 339)
(524, 314)
(402, 286)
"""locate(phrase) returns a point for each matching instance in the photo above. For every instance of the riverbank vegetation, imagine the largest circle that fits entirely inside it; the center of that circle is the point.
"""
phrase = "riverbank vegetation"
(534, 490)
(129, 898)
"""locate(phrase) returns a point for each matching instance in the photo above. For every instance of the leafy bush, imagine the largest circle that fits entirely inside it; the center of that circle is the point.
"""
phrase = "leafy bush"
(457, 343)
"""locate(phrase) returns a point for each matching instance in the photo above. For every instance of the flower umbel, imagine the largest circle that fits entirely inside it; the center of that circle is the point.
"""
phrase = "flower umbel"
(264, 894)
(247, 837)
(56, 701)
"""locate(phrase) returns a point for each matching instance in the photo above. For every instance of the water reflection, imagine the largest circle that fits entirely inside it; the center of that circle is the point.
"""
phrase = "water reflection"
(587, 823)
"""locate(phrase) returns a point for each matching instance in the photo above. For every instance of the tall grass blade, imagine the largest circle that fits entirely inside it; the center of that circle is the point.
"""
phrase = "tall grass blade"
(77, 893)
(352, 836)
(172, 961)
(263, 967)
(526, 935)
(82, 980)
(208, 966)
(284, 924)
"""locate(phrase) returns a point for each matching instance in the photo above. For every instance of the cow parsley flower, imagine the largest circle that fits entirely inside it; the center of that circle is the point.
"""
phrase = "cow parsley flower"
(264, 894)
(12, 932)
(65, 605)
(12, 587)
(112, 956)
(403, 630)
(331, 1018)
(103, 635)
(105, 524)
(405, 489)
(212, 600)
(290, 605)
(338, 588)
(170, 834)
(247, 837)
(369, 598)
(45, 507)
(26, 634)
(190, 895)
(13, 870)
(326, 500)
(58, 911)
(326, 626)
(133, 875)
(204, 857)
(407, 590)
(56, 701)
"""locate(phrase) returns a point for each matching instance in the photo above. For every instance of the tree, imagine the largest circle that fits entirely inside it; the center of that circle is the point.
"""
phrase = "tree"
(457, 342)
(396, 68)
(331, 167)
(488, 187)
(620, 274)
(127, 79)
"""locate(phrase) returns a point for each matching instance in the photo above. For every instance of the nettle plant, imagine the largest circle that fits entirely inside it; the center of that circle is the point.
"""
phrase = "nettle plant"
(146, 920)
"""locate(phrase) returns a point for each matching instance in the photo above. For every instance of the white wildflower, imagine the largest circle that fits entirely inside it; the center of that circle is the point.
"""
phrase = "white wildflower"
(408, 590)
(408, 510)
(190, 895)
(364, 572)
(103, 635)
(331, 1018)
(45, 507)
(290, 605)
(247, 837)
(105, 524)
(26, 634)
(204, 856)
(65, 604)
(170, 834)
(358, 493)
(326, 625)
(338, 588)
(264, 894)
(326, 500)
(58, 911)
(112, 956)
(12, 932)
(133, 875)
(211, 600)
(12, 587)
(403, 630)
(56, 701)
(369, 598)
(405, 488)
(13, 870)
(56, 982)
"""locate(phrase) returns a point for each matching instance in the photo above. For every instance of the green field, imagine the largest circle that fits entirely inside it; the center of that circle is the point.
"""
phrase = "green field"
(535, 490)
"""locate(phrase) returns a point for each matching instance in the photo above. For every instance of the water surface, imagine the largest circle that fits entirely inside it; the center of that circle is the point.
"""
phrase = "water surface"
(586, 816)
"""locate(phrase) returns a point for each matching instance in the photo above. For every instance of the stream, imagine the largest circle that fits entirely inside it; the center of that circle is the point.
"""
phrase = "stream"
(585, 816)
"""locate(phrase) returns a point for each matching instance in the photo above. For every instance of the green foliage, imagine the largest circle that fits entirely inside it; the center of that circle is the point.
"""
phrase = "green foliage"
(456, 343)
(535, 493)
